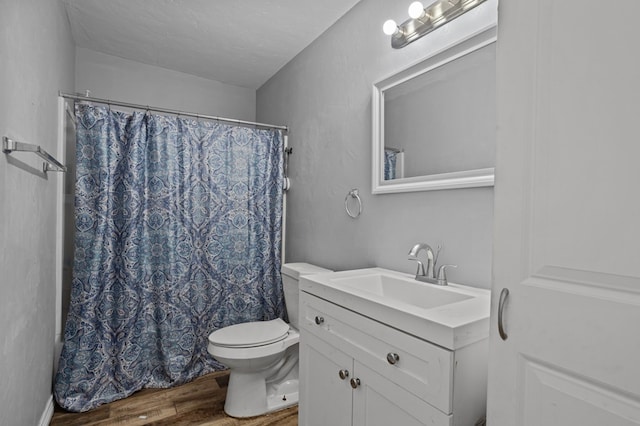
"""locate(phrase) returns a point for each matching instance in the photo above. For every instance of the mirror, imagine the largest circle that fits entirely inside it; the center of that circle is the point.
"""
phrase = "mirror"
(434, 124)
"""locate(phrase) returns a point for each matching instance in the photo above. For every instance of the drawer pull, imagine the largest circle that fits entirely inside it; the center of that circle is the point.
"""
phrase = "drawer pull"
(343, 374)
(393, 358)
(319, 320)
(355, 382)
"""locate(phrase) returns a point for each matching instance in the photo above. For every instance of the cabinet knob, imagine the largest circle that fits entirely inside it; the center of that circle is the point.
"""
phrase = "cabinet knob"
(393, 358)
(343, 374)
(355, 382)
(319, 320)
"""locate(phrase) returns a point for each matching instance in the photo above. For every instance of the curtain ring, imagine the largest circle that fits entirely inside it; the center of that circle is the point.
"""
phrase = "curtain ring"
(353, 194)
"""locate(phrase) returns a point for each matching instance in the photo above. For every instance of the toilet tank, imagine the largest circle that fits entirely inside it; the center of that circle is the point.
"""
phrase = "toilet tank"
(291, 273)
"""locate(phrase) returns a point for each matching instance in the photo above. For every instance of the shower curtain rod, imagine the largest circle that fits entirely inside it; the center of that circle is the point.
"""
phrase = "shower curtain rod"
(169, 111)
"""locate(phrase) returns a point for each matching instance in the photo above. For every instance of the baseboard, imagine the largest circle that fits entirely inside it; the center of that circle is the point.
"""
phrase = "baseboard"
(47, 414)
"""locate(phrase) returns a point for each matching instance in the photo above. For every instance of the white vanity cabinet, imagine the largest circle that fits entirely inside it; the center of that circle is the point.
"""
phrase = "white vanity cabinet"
(355, 370)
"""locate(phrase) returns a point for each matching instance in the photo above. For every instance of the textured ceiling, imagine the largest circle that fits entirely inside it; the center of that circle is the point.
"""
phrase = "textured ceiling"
(238, 42)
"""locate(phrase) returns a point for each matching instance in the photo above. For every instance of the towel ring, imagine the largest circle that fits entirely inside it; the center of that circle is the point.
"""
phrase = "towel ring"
(353, 194)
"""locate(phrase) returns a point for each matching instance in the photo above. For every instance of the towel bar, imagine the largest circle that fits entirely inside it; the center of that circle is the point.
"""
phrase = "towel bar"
(50, 165)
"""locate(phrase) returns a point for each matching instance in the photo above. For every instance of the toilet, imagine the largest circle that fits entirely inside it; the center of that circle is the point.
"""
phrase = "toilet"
(262, 356)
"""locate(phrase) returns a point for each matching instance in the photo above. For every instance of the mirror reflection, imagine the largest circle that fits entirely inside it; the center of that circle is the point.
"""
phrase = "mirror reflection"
(443, 120)
(435, 123)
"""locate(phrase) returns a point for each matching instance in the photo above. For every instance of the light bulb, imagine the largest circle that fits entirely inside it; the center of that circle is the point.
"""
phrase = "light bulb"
(390, 27)
(416, 10)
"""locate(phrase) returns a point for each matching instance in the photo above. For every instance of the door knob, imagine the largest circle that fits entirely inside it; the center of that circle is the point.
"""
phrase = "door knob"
(355, 382)
(343, 374)
(393, 358)
(319, 320)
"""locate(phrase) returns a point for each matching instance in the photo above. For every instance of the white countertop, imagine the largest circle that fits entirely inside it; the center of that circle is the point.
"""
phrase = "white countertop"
(451, 325)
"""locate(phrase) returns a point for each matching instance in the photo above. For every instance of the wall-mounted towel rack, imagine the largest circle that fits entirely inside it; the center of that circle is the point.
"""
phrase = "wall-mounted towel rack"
(50, 165)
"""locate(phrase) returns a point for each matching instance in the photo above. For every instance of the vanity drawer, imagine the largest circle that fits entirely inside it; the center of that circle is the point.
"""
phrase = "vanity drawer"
(421, 368)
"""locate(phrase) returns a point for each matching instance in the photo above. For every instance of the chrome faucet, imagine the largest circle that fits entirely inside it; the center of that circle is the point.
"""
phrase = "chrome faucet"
(421, 274)
(429, 275)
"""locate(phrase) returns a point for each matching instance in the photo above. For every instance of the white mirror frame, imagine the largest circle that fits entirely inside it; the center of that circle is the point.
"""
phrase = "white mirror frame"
(452, 180)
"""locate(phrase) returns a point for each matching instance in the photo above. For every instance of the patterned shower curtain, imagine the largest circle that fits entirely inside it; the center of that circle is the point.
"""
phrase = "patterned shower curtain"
(178, 233)
(390, 159)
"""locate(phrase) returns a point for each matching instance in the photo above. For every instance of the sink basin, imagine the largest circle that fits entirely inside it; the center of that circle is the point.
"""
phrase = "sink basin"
(401, 289)
(451, 316)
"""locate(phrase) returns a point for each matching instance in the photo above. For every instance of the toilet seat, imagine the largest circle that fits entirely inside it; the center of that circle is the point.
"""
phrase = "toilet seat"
(290, 338)
(250, 334)
(252, 339)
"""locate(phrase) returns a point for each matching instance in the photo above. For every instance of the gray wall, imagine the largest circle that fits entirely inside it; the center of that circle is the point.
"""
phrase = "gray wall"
(119, 79)
(36, 60)
(324, 95)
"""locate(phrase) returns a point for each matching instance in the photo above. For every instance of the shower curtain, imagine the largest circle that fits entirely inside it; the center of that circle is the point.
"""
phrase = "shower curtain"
(178, 233)
(390, 159)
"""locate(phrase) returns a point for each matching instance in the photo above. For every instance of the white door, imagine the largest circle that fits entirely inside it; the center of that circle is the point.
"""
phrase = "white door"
(567, 215)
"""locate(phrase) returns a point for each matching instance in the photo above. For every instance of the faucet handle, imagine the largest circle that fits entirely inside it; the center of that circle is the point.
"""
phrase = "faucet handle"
(442, 274)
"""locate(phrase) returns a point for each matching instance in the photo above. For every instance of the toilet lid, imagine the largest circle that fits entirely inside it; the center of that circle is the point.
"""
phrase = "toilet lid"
(249, 334)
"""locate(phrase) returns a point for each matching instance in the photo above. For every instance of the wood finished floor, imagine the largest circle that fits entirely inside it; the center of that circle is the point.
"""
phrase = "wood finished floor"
(197, 403)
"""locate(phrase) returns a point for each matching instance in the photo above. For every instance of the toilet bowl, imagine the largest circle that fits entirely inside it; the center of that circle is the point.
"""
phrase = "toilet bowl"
(262, 356)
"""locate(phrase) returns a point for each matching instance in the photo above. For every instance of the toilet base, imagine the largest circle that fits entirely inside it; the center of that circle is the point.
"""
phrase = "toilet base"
(282, 396)
(251, 400)
(251, 394)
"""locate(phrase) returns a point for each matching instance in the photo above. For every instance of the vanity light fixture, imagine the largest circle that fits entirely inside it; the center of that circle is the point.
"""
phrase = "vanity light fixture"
(423, 19)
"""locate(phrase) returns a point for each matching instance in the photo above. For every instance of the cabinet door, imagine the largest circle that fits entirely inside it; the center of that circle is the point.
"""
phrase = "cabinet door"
(325, 398)
(378, 401)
